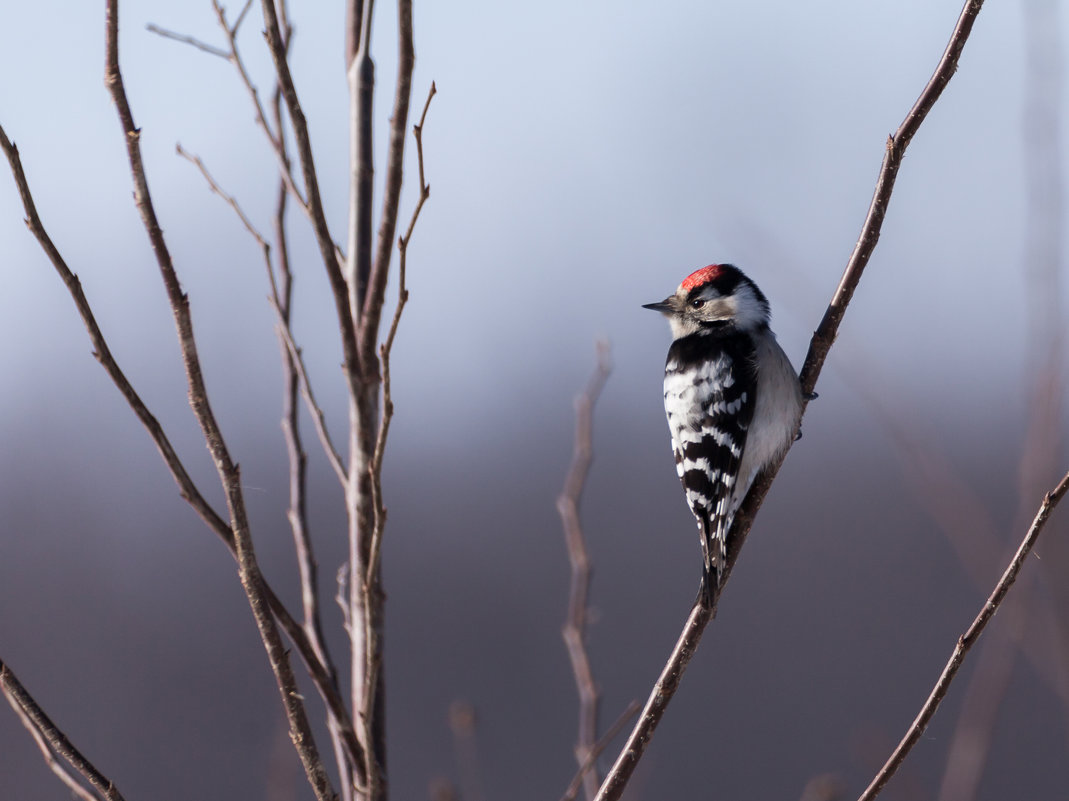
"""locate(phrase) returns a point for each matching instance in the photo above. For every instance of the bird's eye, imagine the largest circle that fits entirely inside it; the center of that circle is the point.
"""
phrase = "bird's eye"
(697, 303)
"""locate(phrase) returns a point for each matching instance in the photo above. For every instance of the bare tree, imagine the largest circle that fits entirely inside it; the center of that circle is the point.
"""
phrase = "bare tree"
(358, 281)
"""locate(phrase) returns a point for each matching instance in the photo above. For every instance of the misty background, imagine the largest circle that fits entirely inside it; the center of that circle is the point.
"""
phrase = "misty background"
(583, 158)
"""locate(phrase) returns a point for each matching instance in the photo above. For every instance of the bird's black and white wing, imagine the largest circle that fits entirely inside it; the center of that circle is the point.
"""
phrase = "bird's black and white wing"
(709, 398)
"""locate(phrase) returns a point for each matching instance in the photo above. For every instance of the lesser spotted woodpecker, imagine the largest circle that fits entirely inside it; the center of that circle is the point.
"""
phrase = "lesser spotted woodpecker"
(732, 399)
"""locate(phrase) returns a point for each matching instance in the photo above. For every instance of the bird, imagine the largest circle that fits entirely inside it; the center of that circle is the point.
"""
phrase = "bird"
(732, 398)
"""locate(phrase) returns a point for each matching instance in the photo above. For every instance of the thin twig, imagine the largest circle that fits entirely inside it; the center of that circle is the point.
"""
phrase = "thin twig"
(653, 711)
(187, 490)
(274, 137)
(189, 40)
(56, 765)
(314, 409)
(241, 17)
(30, 711)
(819, 347)
(966, 641)
(960, 511)
(387, 346)
(376, 284)
(284, 329)
(870, 232)
(587, 765)
(229, 473)
(574, 631)
(232, 202)
(295, 379)
(982, 701)
(328, 252)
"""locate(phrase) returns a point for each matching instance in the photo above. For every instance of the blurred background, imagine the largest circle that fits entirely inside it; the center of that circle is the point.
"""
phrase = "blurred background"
(583, 158)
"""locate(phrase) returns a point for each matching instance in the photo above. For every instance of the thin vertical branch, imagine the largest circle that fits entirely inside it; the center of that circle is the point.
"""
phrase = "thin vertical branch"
(229, 473)
(966, 641)
(369, 582)
(387, 347)
(295, 379)
(361, 77)
(29, 711)
(574, 630)
(327, 251)
(294, 376)
(819, 346)
(376, 283)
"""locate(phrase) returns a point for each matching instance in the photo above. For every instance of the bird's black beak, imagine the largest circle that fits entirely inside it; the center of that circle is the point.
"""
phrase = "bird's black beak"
(664, 307)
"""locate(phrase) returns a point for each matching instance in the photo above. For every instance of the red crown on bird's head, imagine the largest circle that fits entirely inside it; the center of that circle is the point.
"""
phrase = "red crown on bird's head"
(702, 276)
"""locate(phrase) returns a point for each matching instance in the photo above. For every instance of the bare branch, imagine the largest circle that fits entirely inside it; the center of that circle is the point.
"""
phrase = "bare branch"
(819, 347)
(274, 137)
(354, 18)
(57, 766)
(378, 454)
(966, 641)
(653, 711)
(314, 409)
(189, 40)
(241, 18)
(327, 250)
(870, 232)
(376, 285)
(592, 755)
(295, 378)
(186, 488)
(233, 203)
(229, 474)
(574, 630)
(369, 590)
(285, 332)
(40, 724)
(975, 729)
(361, 78)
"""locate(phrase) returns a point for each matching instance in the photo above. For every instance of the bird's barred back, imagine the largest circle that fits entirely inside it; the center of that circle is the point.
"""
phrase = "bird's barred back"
(709, 395)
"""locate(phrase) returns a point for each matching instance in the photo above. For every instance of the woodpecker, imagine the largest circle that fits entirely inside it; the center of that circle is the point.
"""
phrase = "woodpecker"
(732, 399)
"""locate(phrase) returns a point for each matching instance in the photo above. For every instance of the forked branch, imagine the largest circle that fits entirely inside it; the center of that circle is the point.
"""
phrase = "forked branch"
(819, 347)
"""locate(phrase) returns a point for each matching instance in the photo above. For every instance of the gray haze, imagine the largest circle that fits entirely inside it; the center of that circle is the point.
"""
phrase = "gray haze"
(583, 158)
